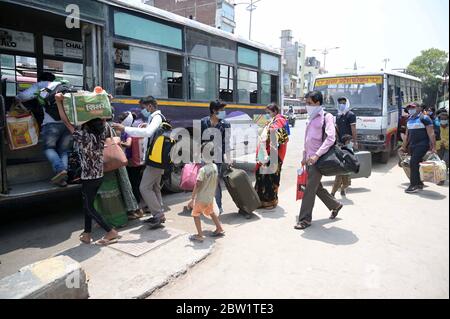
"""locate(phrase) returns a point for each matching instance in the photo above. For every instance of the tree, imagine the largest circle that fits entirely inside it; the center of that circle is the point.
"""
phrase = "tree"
(428, 67)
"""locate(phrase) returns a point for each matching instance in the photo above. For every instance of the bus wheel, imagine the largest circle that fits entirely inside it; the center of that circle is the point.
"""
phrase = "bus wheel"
(385, 156)
(172, 179)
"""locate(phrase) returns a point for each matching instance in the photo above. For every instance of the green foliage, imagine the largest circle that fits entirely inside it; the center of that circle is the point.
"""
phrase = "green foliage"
(427, 66)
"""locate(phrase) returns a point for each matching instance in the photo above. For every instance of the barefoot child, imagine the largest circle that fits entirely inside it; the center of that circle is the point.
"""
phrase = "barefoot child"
(91, 139)
(203, 195)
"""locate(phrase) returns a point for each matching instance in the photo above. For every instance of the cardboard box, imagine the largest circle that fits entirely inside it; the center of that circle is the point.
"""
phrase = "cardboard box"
(84, 106)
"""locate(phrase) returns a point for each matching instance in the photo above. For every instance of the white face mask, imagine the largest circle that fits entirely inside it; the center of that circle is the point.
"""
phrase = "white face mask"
(444, 122)
(313, 111)
(412, 112)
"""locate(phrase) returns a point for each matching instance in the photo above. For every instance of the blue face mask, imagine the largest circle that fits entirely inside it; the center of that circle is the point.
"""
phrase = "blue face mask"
(350, 146)
(222, 115)
(145, 113)
(412, 112)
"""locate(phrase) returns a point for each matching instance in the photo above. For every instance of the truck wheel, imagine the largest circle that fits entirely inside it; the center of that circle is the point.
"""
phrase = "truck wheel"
(385, 156)
(394, 146)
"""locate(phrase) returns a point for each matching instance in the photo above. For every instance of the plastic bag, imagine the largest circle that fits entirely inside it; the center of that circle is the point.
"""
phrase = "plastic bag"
(22, 128)
(434, 170)
(302, 179)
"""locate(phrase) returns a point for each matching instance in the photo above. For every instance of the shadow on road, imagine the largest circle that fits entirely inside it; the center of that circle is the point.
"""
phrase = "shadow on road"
(333, 235)
(276, 213)
(357, 190)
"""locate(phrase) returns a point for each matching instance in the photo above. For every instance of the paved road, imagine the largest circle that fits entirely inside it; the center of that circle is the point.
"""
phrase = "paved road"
(385, 243)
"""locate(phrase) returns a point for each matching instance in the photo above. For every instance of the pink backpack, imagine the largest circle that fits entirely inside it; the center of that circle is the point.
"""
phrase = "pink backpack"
(189, 176)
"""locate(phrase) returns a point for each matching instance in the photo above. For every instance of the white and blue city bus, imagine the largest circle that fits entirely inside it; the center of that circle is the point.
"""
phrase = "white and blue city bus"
(132, 50)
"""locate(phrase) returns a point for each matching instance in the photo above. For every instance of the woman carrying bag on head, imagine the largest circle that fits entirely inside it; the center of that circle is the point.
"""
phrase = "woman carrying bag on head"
(90, 138)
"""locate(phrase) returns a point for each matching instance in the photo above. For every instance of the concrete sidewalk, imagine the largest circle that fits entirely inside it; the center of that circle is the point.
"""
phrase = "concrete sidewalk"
(142, 261)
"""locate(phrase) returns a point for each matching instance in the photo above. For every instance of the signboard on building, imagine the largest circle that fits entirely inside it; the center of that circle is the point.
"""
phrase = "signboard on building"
(16, 40)
(63, 48)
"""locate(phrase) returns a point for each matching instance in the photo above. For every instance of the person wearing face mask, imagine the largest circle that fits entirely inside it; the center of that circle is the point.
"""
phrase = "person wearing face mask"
(267, 184)
(216, 119)
(316, 145)
(442, 145)
(346, 121)
(346, 125)
(420, 139)
(150, 186)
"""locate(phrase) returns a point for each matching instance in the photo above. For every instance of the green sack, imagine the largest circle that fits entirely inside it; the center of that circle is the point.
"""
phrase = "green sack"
(84, 106)
(109, 203)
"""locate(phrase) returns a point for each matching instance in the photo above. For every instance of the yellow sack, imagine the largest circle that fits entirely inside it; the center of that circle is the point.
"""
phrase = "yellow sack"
(22, 128)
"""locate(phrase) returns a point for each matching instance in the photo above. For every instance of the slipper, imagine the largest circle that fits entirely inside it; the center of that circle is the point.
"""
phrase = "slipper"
(302, 225)
(195, 238)
(216, 235)
(107, 242)
(335, 212)
(85, 241)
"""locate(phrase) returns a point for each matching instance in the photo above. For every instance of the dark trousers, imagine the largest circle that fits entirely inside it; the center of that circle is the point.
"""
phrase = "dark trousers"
(89, 190)
(417, 155)
(314, 187)
(135, 176)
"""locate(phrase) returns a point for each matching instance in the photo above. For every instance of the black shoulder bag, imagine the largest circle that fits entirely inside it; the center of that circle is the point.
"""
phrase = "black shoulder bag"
(331, 163)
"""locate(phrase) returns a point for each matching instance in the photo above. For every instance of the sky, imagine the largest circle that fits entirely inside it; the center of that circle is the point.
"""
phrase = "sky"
(367, 31)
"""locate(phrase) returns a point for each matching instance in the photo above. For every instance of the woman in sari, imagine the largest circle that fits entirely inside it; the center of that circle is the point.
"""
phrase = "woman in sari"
(268, 182)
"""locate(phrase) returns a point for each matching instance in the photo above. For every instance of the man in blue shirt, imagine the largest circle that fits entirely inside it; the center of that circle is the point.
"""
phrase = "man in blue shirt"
(420, 139)
(216, 119)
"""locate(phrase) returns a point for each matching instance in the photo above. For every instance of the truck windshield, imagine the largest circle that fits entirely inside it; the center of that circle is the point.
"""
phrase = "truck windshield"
(365, 93)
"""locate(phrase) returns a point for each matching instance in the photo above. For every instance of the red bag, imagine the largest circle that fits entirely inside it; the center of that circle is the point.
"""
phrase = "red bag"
(302, 179)
(137, 152)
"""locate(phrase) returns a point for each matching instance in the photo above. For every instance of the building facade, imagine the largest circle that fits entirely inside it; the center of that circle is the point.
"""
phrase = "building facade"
(311, 70)
(293, 65)
(216, 13)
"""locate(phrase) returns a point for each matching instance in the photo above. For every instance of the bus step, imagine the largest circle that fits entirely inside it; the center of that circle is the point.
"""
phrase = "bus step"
(28, 173)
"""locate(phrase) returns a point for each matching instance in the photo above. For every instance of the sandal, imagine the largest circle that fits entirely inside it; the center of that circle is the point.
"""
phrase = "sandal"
(107, 242)
(196, 238)
(85, 241)
(218, 234)
(335, 212)
(302, 225)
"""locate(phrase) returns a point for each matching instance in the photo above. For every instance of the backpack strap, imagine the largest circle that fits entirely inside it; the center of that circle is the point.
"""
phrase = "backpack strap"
(324, 127)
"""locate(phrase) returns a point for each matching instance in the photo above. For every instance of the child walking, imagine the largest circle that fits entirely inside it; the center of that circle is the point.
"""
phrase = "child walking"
(203, 195)
(90, 138)
(343, 181)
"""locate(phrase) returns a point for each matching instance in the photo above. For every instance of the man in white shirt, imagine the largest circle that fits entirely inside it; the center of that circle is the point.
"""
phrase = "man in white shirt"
(55, 137)
(150, 187)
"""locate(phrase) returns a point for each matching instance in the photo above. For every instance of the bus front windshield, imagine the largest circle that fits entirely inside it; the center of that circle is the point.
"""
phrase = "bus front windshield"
(365, 93)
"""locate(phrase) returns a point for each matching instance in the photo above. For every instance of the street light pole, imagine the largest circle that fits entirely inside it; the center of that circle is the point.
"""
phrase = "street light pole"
(386, 60)
(251, 7)
(325, 52)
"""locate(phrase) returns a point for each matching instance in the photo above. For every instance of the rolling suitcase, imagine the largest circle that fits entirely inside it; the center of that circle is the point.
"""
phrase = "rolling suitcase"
(241, 190)
(365, 161)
